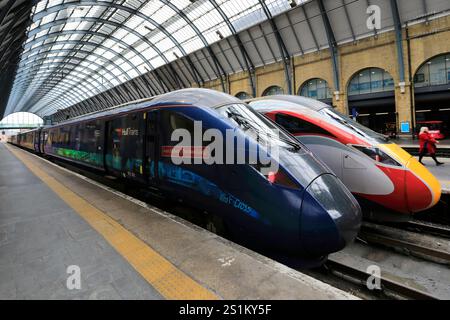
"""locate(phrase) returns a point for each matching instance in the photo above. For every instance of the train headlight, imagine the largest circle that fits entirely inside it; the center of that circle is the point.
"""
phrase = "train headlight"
(378, 155)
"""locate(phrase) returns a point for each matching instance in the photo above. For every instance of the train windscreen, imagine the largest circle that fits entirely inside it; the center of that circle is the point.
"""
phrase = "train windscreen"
(258, 126)
(352, 125)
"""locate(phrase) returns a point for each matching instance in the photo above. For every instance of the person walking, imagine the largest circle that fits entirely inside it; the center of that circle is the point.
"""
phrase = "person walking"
(427, 145)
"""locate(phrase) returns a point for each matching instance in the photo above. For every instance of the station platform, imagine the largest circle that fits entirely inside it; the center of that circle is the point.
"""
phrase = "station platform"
(53, 221)
(408, 142)
(412, 146)
(442, 173)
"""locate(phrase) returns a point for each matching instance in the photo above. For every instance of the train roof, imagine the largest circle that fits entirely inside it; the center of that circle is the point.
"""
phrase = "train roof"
(198, 97)
(32, 130)
(306, 102)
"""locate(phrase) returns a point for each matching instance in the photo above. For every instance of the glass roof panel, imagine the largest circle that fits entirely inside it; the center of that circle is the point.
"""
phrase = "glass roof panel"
(141, 35)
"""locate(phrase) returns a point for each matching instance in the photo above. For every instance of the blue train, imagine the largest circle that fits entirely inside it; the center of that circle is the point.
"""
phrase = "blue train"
(299, 209)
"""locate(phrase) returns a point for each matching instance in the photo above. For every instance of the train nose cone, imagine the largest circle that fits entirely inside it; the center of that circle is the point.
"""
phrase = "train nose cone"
(423, 190)
(330, 217)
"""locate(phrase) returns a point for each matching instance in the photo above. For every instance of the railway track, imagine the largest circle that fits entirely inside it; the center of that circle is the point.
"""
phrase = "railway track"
(426, 227)
(389, 288)
(425, 246)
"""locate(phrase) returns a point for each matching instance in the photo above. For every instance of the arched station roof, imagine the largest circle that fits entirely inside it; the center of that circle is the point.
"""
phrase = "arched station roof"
(89, 55)
(102, 44)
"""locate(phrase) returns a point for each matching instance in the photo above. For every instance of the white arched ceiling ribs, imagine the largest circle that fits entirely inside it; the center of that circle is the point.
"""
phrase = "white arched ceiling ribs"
(141, 47)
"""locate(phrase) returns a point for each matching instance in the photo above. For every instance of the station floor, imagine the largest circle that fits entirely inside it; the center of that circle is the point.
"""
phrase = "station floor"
(442, 173)
(52, 221)
(41, 236)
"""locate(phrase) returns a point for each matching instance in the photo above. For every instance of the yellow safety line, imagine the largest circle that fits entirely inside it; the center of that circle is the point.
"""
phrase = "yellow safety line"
(169, 281)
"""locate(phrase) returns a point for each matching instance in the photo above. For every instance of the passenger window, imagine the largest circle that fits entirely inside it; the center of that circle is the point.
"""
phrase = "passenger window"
(172, 121)
(299, 126)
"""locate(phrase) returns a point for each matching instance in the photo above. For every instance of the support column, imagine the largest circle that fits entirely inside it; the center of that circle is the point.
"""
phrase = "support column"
(340, 102)
(403, 107)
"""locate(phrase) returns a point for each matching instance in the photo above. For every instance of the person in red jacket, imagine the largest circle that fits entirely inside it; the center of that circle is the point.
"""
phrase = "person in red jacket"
(427, 145)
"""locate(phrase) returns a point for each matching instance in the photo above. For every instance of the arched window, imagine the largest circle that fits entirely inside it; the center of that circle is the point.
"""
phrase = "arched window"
(243, 95)
(434, 72)
(272, 91)
(315, 88)
(370, 80)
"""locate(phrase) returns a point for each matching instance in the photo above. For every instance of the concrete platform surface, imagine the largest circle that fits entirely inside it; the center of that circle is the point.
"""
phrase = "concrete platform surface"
(51, 218)
(442, 173)
(41, 236)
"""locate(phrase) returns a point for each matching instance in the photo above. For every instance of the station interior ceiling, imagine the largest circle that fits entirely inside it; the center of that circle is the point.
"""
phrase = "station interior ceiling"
(87, 55)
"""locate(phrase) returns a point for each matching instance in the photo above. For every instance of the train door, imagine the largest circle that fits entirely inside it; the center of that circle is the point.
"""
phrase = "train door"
(44, 138)
(36, 141)
(182, 168)
(175, 178)
(125, 147)
(151, 155)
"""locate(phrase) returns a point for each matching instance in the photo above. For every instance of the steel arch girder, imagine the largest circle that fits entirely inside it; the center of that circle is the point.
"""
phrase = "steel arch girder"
(281, 45)
(84, 43)
(74, 83)
(217, 63)
(54, 23)
(331, 43)
(42, 92)
(78, 51)
(63, 63)
(73, 73)
(92, 33)
(132, 11)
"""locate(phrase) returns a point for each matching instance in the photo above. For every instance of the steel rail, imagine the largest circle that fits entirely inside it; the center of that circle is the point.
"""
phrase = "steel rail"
(386, 284)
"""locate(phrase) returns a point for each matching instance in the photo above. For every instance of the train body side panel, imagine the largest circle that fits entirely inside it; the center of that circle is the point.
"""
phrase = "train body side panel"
(81, 143)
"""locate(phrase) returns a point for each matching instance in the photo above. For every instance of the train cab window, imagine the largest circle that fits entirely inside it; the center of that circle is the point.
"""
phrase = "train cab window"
(257, 126)
(299, 126)
(377, 155)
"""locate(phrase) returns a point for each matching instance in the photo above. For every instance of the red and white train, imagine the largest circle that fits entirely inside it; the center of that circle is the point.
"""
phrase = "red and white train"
(373, 168)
